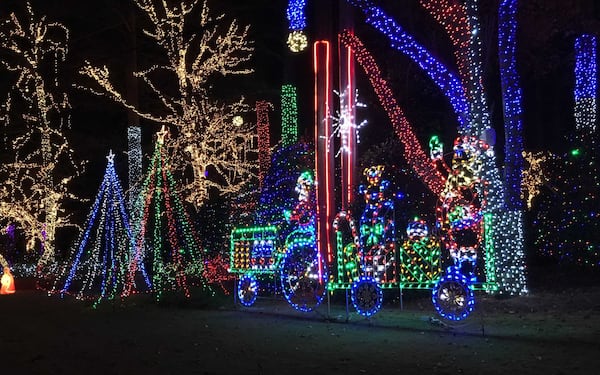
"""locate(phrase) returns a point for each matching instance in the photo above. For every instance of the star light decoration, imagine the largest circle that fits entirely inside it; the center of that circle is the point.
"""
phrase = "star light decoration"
(34, 186)
(211, 150)
(344, 122)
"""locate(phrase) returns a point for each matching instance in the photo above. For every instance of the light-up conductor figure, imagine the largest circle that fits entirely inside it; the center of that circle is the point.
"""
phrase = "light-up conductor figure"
(304, 212)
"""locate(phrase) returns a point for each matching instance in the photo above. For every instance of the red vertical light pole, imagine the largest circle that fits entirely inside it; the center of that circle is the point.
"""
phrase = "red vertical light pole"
(324, 163)
(347, 88)
(264, 139)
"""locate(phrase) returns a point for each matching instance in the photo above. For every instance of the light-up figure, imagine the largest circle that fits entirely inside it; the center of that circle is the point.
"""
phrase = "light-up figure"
(459, 212)
(377, 232)
(7, 281)
(302, 275)
(459, 215)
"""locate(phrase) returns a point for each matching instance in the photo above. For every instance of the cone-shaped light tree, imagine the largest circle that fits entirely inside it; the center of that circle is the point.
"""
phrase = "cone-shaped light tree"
(164, 237)
(99, 265)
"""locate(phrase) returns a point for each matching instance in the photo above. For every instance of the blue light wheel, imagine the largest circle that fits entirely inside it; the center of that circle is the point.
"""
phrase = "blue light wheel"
(367, 296)
(247, 290)
(452, 297)
(302, 282)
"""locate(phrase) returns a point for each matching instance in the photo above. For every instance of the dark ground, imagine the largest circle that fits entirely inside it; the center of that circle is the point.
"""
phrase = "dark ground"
(547, 332)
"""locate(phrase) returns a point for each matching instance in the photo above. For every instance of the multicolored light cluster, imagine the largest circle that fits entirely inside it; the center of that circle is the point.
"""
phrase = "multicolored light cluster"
(303, 275)
(460, 19)
(420, 255)
(459, 211)
(567, 222)
(277, 193)
(377, 228)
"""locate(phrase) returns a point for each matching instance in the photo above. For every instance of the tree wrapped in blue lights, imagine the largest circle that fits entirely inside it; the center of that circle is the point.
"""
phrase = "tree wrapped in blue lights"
(568, 218)
(277, 195)
(99, 266)
(164, 237)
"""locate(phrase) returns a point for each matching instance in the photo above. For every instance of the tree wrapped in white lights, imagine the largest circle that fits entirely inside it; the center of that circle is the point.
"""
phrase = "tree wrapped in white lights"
(34, 182)
(212, 152)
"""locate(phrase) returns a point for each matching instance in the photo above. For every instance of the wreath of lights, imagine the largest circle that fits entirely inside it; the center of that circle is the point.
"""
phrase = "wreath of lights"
(367, 296)
(452, 296)
(247, 289)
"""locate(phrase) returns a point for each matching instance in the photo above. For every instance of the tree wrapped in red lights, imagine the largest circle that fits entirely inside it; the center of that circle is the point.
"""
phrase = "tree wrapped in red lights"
(164, 238)
(414, 153)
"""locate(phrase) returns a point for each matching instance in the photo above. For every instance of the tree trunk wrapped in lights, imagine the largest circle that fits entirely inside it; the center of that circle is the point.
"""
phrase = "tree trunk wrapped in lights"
(35, 182)
(212, 150)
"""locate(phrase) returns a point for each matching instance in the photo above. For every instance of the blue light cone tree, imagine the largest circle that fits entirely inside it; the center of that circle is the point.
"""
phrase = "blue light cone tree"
(164, 237)
(98, 268)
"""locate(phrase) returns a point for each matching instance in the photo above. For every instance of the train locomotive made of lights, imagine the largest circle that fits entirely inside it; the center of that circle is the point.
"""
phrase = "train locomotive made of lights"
(370, 257)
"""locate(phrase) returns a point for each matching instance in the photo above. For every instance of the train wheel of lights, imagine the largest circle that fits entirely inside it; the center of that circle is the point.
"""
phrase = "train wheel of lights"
(367, 296)
(452, 297)
(302, 285)
(247, 290)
